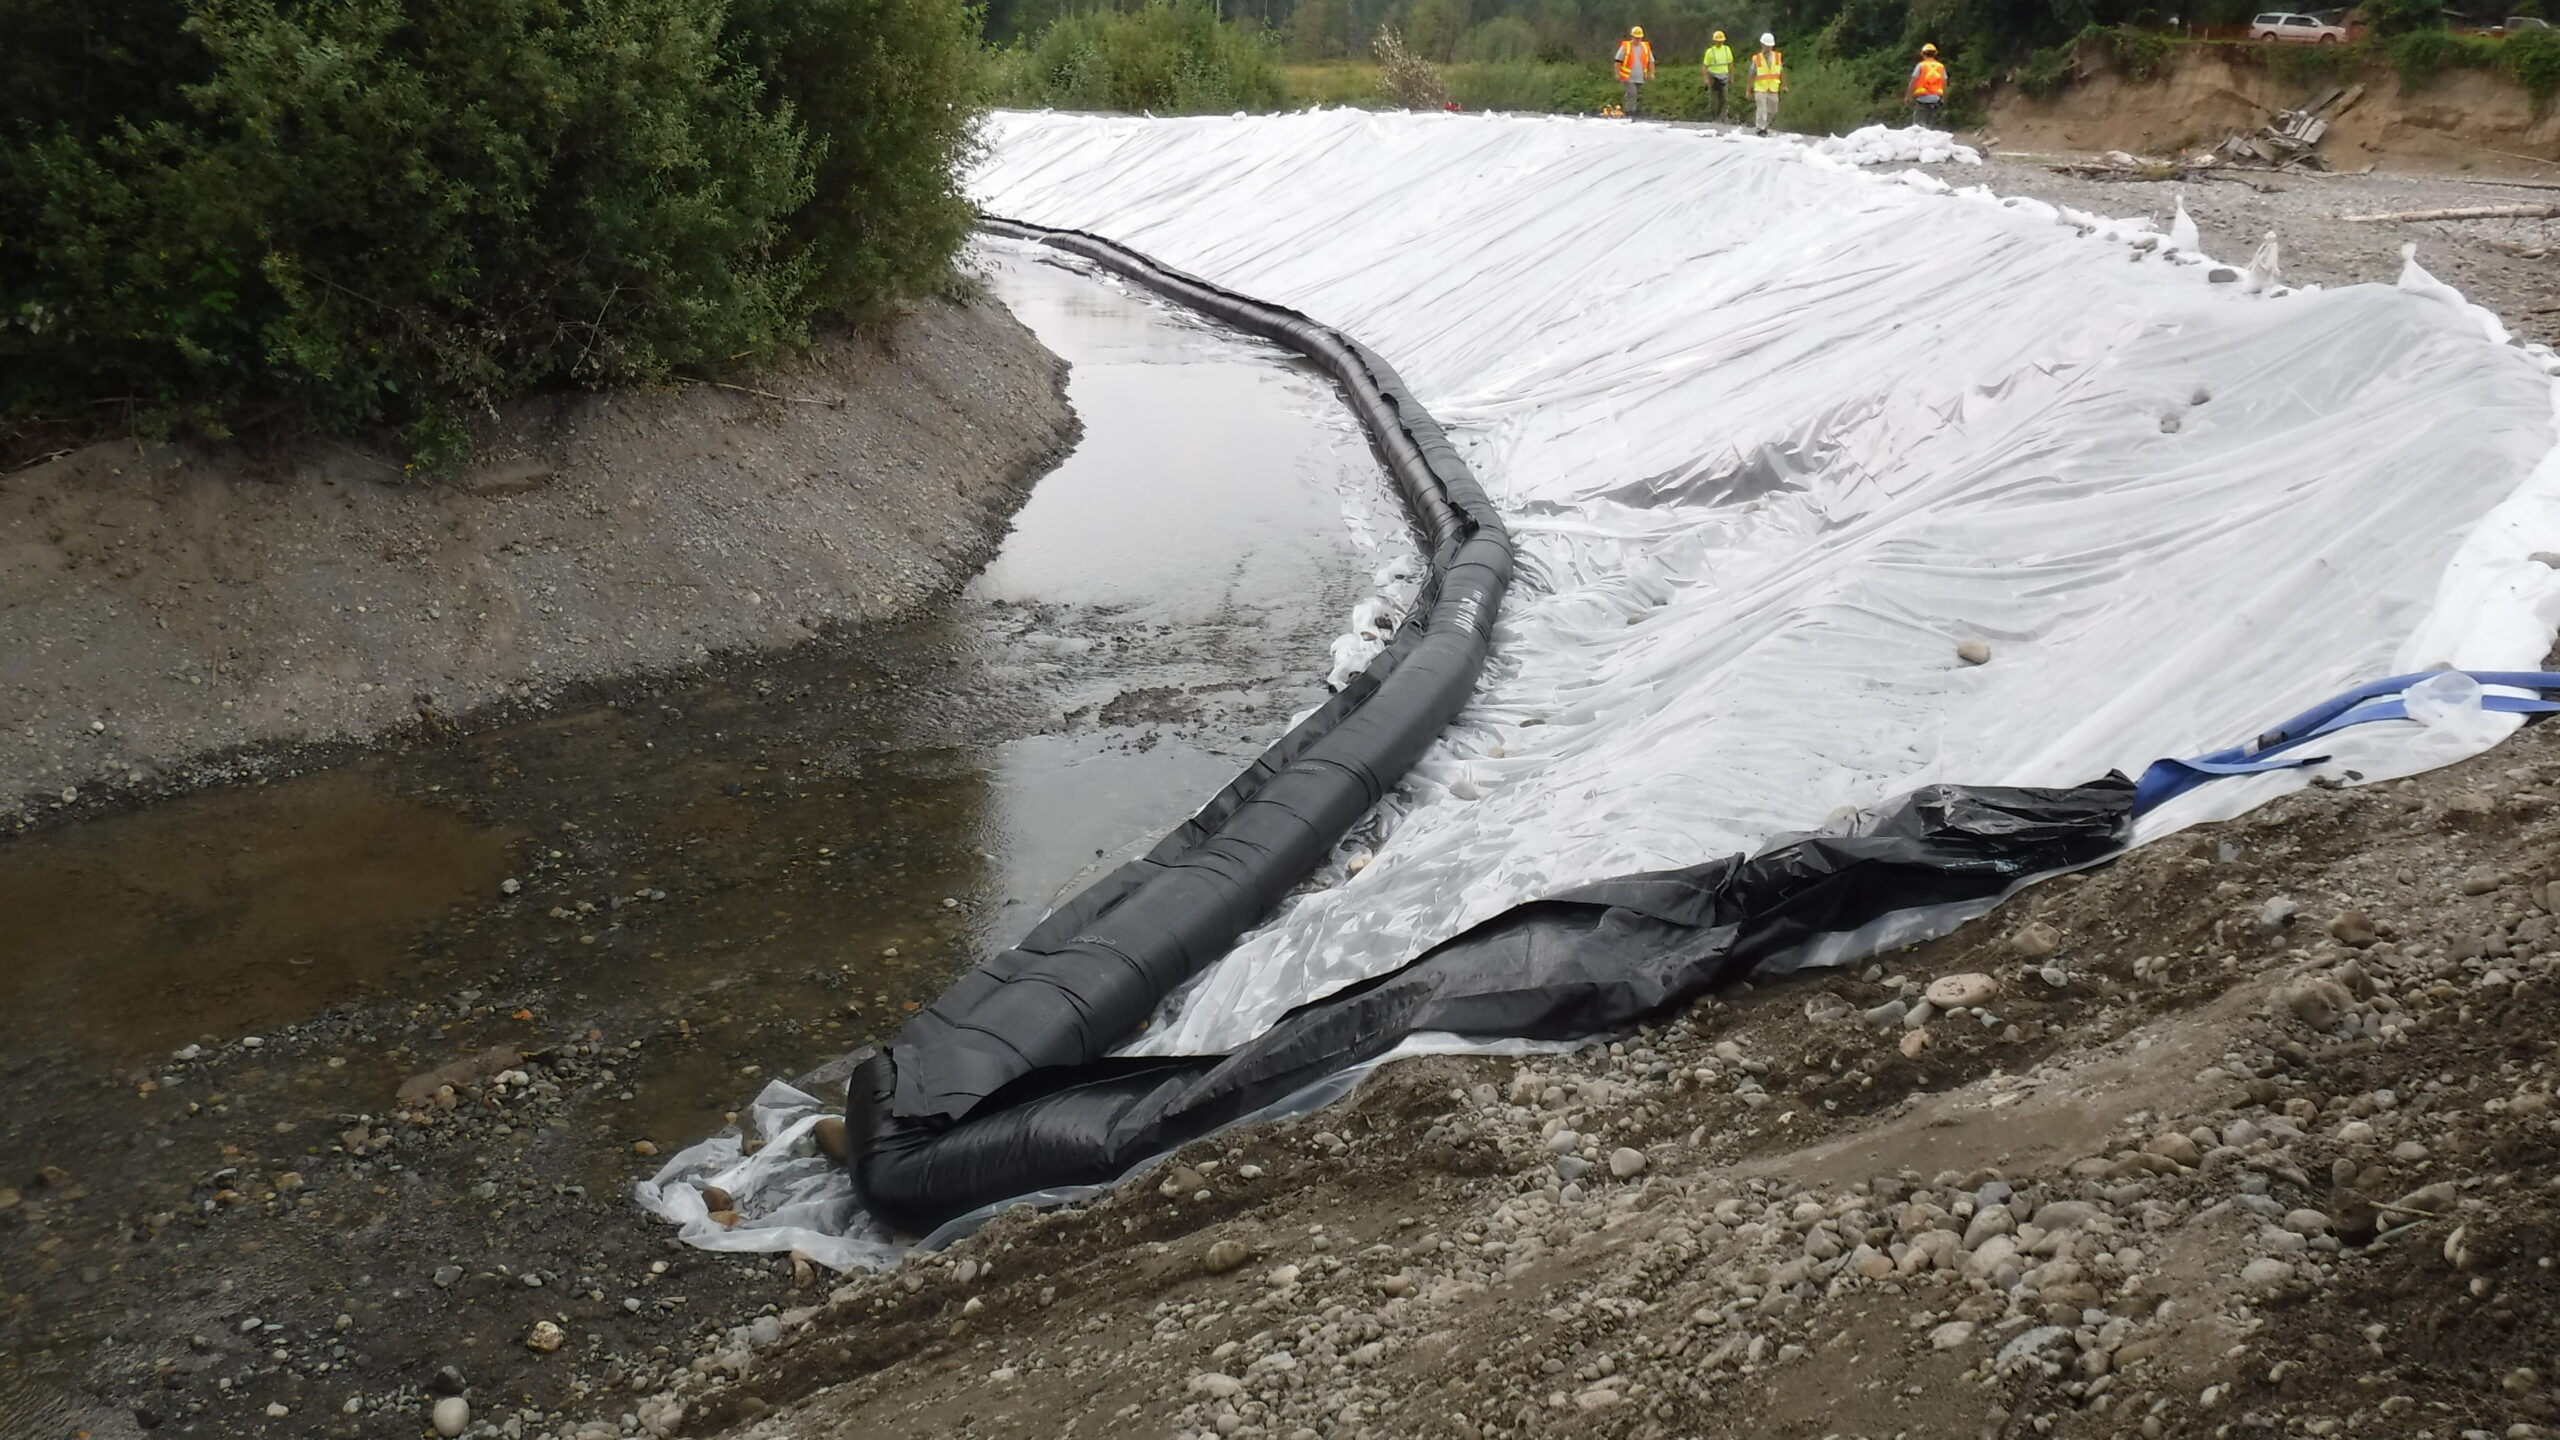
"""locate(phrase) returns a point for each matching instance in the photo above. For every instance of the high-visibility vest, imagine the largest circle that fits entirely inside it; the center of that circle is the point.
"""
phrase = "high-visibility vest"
(1930, 79)
(1768, 68)
(1635, 60)
(1719, 60)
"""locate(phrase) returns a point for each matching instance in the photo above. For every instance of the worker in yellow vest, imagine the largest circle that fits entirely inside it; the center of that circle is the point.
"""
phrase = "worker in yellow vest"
(1717, 70)
(1928, 88)
(1635, 65)
(1768, 80)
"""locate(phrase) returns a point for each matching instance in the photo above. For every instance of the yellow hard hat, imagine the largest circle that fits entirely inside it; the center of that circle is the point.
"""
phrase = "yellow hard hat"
(1719, 37)
(1636, 30)
(1928, 49)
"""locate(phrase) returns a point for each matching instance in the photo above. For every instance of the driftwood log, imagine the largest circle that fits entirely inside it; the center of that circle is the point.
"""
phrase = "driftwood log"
(2467, 212)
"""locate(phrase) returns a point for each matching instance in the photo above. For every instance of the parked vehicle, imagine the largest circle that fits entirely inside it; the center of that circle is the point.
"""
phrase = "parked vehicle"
(2284, 27)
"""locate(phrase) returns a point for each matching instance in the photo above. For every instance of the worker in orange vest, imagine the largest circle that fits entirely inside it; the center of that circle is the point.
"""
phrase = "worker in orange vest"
(1635, 65)
(1928, 88)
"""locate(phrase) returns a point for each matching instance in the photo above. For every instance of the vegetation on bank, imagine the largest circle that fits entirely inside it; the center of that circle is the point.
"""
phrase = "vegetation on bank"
(1177, 57)
(1848, 61)
(2418, 57)
(1168, 58)
(220, 216)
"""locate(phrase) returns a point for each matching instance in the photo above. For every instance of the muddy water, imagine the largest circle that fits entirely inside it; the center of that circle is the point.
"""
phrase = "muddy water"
(680, 893)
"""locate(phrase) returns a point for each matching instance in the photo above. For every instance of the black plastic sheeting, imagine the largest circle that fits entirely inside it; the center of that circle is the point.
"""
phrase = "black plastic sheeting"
(1591, 960)
(1005, 1088)
(922, 1117)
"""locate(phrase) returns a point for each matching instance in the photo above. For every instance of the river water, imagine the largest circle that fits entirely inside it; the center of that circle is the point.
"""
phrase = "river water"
(713, 882)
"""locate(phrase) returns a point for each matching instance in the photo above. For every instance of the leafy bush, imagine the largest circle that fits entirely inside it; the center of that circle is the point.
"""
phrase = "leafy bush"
(2139, 55)
(2532, 59)
(2422, 56)
(367, 212)
(2308, 64)
(1828, 97)
(2048, 72)
(1171, 57)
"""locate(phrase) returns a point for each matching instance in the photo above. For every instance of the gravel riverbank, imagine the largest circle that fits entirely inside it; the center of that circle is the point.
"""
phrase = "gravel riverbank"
(172, 616)
(2235, 210)
(2249, 1133)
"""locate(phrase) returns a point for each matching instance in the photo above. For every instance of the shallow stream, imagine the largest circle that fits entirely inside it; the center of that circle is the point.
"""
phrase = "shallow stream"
(689, 889)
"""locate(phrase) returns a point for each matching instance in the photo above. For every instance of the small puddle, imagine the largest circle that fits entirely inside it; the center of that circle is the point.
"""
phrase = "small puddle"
(220, 912)
(729, 879)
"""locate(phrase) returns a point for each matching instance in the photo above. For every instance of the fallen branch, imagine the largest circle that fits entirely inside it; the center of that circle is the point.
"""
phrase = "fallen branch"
(2470, 212)
(767, 394)
(2237, 178)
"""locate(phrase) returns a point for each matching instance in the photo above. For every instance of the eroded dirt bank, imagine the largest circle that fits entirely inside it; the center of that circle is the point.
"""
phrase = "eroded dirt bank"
(2461, 118)
(160, 604)
(2250, 1133)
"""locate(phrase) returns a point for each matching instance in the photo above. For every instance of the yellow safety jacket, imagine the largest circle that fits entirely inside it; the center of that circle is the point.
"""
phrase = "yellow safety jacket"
(1719, 60)
(1768, 71)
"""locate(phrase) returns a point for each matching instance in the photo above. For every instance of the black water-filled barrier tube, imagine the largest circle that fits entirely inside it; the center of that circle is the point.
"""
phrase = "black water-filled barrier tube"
(1043, 1013)
(1005, 1086)
(1591, 960)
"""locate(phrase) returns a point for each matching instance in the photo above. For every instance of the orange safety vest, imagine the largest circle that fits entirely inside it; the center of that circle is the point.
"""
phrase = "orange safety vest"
(1635, 60)
(1768, 71)
(1929, 79)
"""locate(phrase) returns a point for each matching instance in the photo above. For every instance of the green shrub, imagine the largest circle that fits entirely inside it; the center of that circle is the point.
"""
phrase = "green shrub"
(2048, 72)
(2311, 64)
(2532, 59)
(2422, 56)
(1171, 57)
(1828, 97)
(351, 213)
(2140, 55)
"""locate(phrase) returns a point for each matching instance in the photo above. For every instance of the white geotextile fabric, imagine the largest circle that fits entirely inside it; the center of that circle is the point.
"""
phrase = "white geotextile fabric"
(789, 1195)
(1891, 145)
(1776, 434)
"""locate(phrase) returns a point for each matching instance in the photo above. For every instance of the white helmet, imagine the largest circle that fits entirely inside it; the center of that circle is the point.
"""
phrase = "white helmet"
(1768, 39)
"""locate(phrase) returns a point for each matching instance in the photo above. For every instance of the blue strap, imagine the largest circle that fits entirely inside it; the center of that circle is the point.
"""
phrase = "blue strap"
(2374, 700)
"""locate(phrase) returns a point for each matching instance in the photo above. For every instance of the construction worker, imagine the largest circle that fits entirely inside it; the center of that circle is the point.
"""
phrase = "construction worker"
(1635, 65)
(1928, 88)
(1717, 70)
(1768, 81)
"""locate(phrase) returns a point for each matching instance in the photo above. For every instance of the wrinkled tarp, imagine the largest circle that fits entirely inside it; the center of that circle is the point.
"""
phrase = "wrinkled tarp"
(1774, 435)
(1091, 972)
